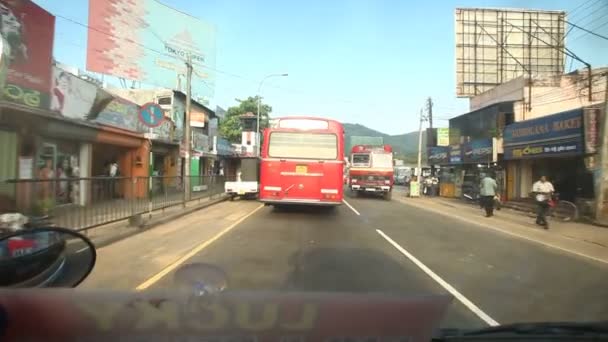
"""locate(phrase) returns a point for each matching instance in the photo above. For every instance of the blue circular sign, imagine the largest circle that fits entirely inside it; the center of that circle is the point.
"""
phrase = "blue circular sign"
(151, 115)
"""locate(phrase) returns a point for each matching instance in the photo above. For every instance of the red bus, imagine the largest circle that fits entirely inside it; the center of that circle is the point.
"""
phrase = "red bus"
(302, 162)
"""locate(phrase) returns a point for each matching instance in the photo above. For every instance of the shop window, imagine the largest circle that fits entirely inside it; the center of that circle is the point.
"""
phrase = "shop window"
(57, 161)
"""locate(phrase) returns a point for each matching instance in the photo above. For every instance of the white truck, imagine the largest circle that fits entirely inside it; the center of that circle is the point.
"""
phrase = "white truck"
(247, 180)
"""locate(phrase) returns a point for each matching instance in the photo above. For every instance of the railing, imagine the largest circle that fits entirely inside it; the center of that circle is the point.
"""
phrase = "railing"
(83, 203)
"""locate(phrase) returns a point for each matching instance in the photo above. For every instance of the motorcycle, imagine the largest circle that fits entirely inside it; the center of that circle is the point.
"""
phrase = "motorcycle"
(200, 306)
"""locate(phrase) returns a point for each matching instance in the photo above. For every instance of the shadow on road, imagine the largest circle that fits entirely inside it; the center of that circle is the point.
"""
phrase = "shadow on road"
(306, 209)
(350, 270)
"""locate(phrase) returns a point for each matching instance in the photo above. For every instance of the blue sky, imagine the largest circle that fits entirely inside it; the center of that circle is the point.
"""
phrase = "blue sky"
(360, 61)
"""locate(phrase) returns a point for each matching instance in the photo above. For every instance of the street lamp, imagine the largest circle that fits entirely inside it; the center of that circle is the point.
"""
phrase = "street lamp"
(257, 131)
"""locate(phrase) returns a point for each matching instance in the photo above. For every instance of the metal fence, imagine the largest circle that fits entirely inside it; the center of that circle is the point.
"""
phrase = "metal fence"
(82, 203)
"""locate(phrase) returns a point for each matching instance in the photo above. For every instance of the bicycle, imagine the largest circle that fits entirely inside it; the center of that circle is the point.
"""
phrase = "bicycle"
(562, 209)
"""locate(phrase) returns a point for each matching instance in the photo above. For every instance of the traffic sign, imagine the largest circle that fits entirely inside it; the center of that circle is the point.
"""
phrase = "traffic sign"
(151, 114)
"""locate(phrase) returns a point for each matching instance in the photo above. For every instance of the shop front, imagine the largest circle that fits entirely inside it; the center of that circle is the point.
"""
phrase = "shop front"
(462, 166)
(551, 146)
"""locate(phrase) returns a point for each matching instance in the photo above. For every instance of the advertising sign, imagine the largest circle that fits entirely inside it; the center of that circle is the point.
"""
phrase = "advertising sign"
(438, 155)
(122, 114)
(71, 96)
(27, 42)
(455, 154)
(443, 137)
(555, 135)
(591, 117)
(477, 151)
(147, 41)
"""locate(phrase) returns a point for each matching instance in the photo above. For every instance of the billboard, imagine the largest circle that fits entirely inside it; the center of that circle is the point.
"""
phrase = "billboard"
(494, 46)
(27, 47)
(71, 96)
(147, 41)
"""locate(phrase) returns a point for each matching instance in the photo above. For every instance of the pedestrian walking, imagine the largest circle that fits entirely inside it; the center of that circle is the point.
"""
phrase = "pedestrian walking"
(543, 190)
(487, 192)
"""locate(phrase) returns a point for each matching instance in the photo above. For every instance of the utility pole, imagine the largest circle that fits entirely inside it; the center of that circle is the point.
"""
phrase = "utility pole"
(422, 118)
(601, 189)
(187, 133)
(429, 107)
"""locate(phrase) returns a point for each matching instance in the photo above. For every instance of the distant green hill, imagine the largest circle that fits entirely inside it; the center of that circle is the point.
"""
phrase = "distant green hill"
(404, 145)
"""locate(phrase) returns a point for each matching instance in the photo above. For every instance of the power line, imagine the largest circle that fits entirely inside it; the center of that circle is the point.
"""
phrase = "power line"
(584, 10)
(589, 31)
(578, 7)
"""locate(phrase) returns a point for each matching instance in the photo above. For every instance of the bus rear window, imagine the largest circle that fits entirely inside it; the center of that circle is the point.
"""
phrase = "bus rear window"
(303, 145)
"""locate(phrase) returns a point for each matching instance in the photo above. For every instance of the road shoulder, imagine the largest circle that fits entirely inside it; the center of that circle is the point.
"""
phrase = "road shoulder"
(505, 223)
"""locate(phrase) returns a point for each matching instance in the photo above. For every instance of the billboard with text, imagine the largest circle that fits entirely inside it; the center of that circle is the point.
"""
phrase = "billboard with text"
(147, 41)
(27, 46)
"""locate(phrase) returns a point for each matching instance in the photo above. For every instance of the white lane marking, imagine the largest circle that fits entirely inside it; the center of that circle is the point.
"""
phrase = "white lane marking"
(82, 249)
(192, 253)
(351, 207)
(516, 235)
(464, 300)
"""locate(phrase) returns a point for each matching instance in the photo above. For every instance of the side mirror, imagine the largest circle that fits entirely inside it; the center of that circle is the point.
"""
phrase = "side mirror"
(45, 257)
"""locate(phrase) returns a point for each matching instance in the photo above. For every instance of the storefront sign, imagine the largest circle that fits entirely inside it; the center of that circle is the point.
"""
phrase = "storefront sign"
(591, 117)
(455, 154)
(555, 135)
(477, 151)
(546, 150)
(27, 39)
(443, 136)
(438, 155)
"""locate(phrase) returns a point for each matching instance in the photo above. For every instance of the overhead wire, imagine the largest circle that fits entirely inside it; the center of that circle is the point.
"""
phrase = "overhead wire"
(574, 10)
(584, 10)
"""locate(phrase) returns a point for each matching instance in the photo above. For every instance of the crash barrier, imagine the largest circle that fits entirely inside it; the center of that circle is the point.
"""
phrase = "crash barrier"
(83, 203)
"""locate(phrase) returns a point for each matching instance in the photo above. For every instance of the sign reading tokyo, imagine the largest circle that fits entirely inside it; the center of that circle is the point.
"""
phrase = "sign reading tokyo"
(151, 115)
(555, 135)
(144, 26)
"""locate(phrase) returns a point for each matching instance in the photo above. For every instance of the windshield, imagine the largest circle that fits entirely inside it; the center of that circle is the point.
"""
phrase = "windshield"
(384, 160)
(175, 132)
(361, 159)
(303, 145)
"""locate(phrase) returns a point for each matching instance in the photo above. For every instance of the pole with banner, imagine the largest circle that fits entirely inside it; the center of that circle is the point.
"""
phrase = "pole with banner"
(187, 147)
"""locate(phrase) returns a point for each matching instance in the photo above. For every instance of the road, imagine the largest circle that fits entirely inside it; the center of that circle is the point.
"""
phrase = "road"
(370, 246)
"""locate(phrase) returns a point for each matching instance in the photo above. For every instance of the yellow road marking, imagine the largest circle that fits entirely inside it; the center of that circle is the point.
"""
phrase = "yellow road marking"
(192, 253)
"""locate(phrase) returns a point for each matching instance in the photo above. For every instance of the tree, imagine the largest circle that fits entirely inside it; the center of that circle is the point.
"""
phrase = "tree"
(230, 127)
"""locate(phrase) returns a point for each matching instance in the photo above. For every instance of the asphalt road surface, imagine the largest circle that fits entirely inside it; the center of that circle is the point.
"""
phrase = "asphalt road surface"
(373, 245)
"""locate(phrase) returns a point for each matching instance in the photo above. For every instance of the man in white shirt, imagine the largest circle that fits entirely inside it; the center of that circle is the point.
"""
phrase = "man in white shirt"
(542, 190)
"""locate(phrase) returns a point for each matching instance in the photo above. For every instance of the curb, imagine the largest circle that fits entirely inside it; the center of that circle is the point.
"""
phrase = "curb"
(155, 222)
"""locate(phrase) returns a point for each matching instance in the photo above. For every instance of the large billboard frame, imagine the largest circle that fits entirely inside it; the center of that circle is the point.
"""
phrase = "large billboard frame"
(494, 46)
